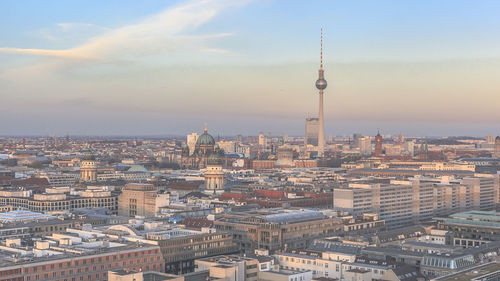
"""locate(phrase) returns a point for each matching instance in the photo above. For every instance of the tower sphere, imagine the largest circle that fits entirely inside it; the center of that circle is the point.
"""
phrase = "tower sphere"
(321, 84)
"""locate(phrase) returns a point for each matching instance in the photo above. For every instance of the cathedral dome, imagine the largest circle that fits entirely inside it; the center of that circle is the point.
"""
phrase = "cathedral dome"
(214, 159)
(205, 139)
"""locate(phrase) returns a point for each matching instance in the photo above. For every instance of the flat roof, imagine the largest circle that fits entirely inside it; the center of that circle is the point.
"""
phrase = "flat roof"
(471, 273)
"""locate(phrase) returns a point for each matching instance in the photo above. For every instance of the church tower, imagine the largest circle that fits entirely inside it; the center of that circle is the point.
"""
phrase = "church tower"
(88, 168)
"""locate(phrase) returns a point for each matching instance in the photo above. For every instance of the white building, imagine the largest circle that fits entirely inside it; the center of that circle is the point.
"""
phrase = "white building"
(191, 142)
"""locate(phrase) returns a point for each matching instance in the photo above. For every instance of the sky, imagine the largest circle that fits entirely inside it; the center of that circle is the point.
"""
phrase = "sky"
(153, 67)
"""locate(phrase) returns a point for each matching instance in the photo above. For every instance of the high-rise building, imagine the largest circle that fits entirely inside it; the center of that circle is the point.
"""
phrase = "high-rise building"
(355, 139)
(378, 145)
(400, 139)
(227, 146)
(239, 138)
(191, 142)
(496, 153)
(262, 140)
(490, 139)
(312, 131)
(365, 145)
(321, 85)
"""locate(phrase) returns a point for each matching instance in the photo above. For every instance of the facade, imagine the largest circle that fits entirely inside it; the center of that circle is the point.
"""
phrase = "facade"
(46, 203)
(59, 179)
(392, 202)
(285, 275)
(343, 262)
(74, 255)
(37, 228)
(285, 157)
(263, 141)
(88, 168)
(312, 132)
(496, 152)
(87, 267)
(191, 142)
(139, 199)
(231, 267)
(274, 229)
(214, 178)
(365, 145)
(472, 228)
(434, 260)
(406, 202)
(180, 248)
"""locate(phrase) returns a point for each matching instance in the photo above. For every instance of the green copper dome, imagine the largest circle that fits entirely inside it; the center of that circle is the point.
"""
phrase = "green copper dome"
(205, 139)
(88, 156)
(214, 159)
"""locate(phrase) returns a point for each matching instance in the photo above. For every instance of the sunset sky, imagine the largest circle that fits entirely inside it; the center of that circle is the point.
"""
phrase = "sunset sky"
(127, 67)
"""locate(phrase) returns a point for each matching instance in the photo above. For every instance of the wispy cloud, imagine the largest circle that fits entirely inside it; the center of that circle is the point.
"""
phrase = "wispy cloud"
(68, 54)
(154, 34)
(72, 26)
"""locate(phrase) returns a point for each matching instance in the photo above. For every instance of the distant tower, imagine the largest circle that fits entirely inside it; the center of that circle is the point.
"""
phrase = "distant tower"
(214, 175)
(321, 85)
(378, 145)
(496, 153)
(88, 168)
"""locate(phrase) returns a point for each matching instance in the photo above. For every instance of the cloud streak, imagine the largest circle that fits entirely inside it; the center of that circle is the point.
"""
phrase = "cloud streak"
(154, 34)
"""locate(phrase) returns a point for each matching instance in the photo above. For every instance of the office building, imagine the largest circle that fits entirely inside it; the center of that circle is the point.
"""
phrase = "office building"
(191, 140)
(143, 200)
(405, 202)
(312, 132)
(59, 199)
(75, 255)
(496, 152)
(273, 229)
(472, 228)
(230, 267)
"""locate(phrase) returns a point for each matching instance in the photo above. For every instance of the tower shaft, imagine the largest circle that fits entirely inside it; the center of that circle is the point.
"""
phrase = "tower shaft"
(321, 132)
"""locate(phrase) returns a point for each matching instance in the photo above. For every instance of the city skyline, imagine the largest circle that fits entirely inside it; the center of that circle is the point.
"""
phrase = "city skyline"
(414, 68)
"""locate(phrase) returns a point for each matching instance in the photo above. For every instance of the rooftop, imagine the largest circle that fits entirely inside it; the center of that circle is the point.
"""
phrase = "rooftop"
(477, 218)
(22, 216)
(471, 273)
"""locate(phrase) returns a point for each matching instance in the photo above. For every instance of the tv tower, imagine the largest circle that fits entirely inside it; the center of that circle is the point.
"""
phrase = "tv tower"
(321, 85)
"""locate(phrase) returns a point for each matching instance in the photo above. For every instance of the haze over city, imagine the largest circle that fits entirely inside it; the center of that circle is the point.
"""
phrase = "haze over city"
(166, 68)
(249, 140)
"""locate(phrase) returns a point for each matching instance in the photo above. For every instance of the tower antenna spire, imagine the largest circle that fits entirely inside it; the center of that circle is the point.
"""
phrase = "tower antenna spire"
(321, 50)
